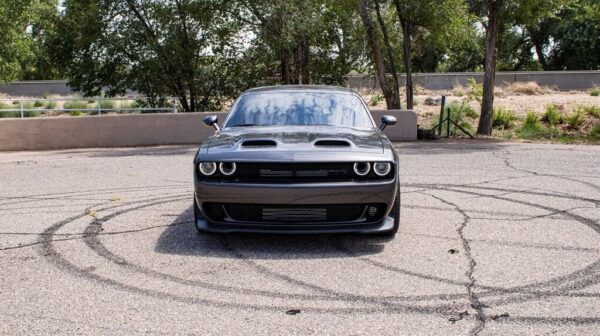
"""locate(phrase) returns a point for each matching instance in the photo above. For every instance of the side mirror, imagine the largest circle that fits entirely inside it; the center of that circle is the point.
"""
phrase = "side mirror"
(387, 120)
(211, 121)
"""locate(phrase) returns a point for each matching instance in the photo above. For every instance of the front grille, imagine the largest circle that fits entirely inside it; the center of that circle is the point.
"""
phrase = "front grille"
(267, 213)
(295, 172)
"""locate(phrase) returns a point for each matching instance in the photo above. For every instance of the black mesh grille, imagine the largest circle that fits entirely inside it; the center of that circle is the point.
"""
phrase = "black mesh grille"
(267, 213)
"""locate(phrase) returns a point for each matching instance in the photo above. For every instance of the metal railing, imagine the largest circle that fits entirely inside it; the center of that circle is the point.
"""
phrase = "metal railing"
(93, 106)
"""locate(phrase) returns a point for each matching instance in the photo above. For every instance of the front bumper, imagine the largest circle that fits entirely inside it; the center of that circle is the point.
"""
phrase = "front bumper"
(380, 192)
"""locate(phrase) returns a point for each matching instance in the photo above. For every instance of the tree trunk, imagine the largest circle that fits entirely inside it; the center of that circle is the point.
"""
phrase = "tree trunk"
(389, 51)
(407, 51)
(538, 43)
(489, 77)
(392, 98)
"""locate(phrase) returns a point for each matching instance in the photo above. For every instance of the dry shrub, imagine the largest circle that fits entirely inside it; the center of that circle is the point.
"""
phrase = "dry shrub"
(529, 88)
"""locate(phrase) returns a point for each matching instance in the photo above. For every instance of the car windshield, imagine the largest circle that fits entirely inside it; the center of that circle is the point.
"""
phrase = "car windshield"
(299, 108)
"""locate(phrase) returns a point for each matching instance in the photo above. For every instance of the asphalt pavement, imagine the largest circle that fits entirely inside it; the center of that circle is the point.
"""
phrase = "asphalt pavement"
(495, 239)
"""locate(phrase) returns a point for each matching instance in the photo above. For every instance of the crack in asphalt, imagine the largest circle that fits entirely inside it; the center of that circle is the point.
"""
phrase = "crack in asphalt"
(471, 296)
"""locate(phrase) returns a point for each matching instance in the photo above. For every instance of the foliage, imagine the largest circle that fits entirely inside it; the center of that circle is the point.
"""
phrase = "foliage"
(594, 132)
(38, 104)
(50, 105)
(595, 92)
(552, 115)
(503, 118)
(592, 110)
(376, 99)
(106, 104)
(532, 128)
(459, 113)
(24, 28)
(575, 119)
(75, 105)
(475, 91)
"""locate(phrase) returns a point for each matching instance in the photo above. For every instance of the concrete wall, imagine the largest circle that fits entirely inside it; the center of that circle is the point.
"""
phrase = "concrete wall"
(137, 130)
(561, 80)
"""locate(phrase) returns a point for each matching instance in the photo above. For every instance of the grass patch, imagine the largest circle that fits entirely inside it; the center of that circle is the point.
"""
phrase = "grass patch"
(458, 91)
(106, 104)
(594, 133)
(592, 110)
(575, 119)
(595, 92)
(38, 104)
(459, 112)
(50, 105)
(32, 114)
(528, 88)
(503, 118)
(552, 115)
(532, 128)
(76, 106)
(376, 99)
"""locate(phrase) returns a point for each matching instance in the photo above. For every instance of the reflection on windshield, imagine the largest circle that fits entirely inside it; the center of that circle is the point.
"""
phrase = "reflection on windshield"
(300, 108)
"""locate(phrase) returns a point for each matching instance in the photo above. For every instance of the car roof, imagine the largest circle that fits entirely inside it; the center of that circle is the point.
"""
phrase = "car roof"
(300, 88)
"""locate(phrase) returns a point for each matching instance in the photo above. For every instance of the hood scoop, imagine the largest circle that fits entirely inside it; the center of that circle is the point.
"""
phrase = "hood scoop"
(259, 143)
(332, 143)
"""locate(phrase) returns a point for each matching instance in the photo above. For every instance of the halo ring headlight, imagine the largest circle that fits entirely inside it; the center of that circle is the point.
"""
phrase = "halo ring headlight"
(382, 168)
(362, 168)
(207, 168)
(227, 168)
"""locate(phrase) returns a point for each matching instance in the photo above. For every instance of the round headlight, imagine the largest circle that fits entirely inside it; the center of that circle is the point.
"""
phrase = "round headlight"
(362, 168)
(227, 168)
(207, 168)
(382, 168)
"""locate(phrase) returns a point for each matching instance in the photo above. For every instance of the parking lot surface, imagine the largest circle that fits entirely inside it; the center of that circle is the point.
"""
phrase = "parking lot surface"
(495, 238)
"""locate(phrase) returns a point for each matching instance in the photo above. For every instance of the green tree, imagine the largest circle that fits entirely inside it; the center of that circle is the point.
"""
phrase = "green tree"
(182, 48)
(439, 19)
(24, 26)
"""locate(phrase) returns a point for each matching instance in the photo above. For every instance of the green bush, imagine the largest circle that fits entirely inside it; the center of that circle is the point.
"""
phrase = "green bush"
(595, 92)
(75, 106)
(459, 113)
(106, 104)
(50, 105)
(31, 114)
(594, 133)
(592, 110)
(532, 128)
(376, 99)
(552, 115)
(4, 106)
(503, 118)
(28, 105)
(38, 104)
(575, 119)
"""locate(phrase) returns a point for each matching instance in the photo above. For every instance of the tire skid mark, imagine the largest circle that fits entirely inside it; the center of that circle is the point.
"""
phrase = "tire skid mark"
(62, 263)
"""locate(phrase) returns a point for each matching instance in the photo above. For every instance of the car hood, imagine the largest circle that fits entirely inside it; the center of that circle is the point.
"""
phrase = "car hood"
(293, 143)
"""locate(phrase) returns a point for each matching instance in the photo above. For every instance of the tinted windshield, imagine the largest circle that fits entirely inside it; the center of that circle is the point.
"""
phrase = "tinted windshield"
(300, 108)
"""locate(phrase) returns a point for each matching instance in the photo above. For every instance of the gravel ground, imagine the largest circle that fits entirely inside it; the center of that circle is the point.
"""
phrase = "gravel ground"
(495, 238)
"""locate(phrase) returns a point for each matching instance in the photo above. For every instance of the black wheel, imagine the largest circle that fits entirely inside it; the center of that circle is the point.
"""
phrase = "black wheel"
(396, 214)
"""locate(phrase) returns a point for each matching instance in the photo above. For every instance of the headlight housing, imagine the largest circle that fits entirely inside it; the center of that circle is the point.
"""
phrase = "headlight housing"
(227, 168)
(382, 168)
(362, 168)
(207, 168)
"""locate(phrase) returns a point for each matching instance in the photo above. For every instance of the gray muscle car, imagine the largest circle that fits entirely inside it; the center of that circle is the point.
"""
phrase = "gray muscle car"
(297, 159)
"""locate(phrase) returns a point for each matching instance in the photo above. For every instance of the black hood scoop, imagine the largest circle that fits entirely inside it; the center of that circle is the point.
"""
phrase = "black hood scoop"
(332, 143)
(259, 143)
